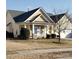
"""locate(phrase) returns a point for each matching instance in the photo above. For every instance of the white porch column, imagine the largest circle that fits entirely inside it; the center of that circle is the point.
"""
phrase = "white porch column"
(33, 31)
(45, 31)
(33, 28)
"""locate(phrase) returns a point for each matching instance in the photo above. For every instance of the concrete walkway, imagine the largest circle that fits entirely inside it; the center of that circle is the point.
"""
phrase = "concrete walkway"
(62, 53)
(43, 51)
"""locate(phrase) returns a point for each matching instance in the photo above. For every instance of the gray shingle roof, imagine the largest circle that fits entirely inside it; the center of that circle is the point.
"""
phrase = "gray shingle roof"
(24, 16)
(15, 13)
(57, 17)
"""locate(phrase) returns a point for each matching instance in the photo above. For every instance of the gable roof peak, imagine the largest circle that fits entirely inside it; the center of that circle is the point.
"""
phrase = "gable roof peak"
(57, 17)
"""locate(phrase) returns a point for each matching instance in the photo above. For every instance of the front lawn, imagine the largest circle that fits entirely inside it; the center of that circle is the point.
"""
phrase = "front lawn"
(37, 44)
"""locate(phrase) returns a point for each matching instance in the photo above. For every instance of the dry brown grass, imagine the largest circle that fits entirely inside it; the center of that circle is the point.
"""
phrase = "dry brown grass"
(13, 46)
(36, 44)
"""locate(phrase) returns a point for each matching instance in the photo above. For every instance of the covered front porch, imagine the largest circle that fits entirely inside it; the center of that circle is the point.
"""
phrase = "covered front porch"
(37, 30)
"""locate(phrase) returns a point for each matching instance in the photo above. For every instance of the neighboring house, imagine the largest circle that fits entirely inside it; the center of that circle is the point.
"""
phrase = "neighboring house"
(37, 21)
(11, 25)
(64, 21)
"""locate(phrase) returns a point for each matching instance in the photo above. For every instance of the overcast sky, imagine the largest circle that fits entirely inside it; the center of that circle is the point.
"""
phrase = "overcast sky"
(48, 5)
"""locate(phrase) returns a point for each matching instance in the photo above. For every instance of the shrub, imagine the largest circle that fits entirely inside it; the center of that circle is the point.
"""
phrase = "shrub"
(9, 35)
(24, 33)
(53, 35)
(48, 36)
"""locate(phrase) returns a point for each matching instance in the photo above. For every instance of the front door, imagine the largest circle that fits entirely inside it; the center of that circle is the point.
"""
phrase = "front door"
(39, 31)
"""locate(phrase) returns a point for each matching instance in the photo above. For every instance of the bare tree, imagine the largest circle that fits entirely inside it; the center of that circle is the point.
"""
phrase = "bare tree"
(59, 26)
